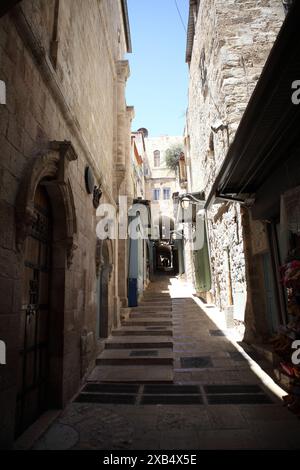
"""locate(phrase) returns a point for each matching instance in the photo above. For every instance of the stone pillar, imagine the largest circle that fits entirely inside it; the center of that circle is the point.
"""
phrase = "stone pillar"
(122, 127)
(123, 169)
(130, 114)
(122, 68)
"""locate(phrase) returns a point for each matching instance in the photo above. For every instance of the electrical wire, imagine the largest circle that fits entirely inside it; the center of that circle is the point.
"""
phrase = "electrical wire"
(180, 16)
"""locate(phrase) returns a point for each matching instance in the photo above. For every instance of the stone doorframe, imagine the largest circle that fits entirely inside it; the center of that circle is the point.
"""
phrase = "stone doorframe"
(50, 169)
(104, 271)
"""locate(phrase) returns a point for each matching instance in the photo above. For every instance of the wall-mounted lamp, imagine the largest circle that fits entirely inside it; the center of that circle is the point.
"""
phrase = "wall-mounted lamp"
(191, 198)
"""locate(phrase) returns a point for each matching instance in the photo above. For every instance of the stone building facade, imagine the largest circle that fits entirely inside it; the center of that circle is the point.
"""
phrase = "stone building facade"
(138, 164)
(64, 134)
(138, 249)
(227, 46)
(161, 182)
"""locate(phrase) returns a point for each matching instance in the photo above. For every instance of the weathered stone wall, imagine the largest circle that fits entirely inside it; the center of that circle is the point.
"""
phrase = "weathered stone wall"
(76, 100)
(232, 41)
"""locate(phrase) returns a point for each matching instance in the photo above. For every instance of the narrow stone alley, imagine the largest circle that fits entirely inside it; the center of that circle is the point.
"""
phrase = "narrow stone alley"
(170, 378)
(150, 225)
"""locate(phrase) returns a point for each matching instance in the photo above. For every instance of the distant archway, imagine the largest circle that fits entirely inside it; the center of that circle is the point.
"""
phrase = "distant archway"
(163, 252)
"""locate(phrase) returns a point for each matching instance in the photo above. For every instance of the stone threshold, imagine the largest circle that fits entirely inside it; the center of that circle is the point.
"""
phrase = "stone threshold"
(36, 430)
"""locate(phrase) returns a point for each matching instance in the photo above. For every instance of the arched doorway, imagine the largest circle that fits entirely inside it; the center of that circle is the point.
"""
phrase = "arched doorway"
(35, 315)
(163, 252)
(46, 230)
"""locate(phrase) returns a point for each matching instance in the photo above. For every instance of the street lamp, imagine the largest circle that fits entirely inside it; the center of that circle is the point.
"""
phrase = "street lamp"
(185, 202)
(191, 198)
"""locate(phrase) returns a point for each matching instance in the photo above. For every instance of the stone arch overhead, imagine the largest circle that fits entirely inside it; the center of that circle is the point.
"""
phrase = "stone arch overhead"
(50, 169)
(164, 218)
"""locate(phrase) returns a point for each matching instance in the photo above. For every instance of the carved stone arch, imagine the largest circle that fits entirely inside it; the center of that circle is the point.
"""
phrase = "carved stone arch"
(50, 170)
(61, 195)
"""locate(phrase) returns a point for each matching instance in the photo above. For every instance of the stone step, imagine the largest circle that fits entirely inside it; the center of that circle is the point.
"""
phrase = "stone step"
(152, 313)
(138, 342)
(146, 308)
(133, 374)
(149, 321)
(139, 345)
(146, 315)
(159, 295)
(142, 331)
(157, 305)
(135, 357)
(149, 295)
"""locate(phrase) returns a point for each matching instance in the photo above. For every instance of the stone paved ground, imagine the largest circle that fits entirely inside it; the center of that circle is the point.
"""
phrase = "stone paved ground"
(202, 426)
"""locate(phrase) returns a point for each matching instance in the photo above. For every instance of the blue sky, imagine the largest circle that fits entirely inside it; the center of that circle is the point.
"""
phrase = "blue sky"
(158, 84)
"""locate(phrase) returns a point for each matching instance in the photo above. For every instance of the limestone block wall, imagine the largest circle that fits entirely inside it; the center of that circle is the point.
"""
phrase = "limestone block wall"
(75, 100)
(231, 44)
(90, 41)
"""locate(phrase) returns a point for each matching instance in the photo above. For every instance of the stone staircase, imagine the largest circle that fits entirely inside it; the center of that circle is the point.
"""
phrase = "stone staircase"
(141, 350)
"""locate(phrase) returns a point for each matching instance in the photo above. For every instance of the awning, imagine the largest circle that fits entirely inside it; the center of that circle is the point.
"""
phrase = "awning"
(264, 158)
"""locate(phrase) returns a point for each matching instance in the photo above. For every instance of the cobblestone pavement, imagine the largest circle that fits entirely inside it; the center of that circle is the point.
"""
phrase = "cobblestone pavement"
(233, 418)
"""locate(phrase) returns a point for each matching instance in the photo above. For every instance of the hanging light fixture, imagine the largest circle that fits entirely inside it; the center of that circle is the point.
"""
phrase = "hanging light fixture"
(185, 202)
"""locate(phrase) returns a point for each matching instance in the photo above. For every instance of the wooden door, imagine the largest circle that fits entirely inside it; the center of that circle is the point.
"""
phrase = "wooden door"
(34, 331)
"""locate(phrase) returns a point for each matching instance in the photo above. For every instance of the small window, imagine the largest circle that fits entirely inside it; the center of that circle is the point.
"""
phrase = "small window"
(157, 158)
(156, 194)
(167, 193)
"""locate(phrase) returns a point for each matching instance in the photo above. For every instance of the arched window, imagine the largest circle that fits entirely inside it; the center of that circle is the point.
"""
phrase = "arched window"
(157, 158)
